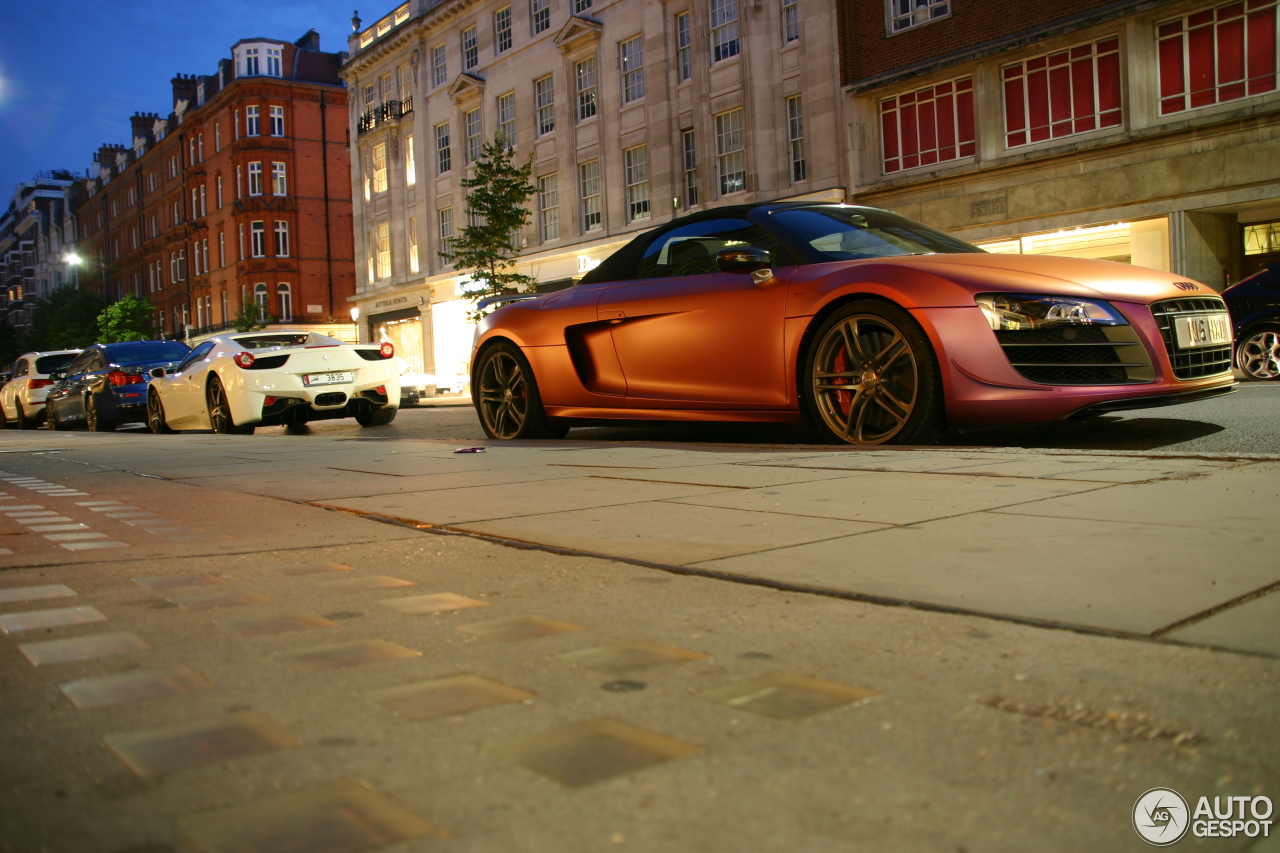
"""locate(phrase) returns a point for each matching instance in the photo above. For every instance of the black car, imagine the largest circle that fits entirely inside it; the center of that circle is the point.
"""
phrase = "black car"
(106, 385)
(1254, 304)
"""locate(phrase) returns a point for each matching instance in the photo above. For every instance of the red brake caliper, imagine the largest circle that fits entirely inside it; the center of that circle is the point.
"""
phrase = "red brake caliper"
(841, 365)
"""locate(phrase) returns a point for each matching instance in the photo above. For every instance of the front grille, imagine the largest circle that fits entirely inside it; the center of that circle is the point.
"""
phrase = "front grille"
(1077, 355)
(1191, 363)
(333, 398)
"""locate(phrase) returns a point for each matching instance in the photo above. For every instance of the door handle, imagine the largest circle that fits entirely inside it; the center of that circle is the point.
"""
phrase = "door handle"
(612, 315)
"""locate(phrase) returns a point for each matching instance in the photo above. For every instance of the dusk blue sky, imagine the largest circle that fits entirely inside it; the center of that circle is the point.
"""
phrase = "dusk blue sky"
(71, 73)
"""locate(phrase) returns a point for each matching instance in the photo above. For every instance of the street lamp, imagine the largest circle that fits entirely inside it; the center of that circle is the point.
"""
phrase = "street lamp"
(76, 261)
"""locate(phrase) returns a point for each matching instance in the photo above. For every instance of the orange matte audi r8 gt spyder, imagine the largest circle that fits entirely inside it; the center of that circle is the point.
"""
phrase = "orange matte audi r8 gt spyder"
(875, 328)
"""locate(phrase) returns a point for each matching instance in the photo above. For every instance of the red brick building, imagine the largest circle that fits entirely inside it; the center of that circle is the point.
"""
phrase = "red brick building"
(242, 194)
(1140, 131)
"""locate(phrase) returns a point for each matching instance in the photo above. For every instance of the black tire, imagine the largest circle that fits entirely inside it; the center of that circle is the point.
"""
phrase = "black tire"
(1258, 354)
(50, 418)
(93, 420)
(870, 377)
(506, 396)
(155, 415)
(220, 411)
(367, 416)
(5, 422)
(24, 420)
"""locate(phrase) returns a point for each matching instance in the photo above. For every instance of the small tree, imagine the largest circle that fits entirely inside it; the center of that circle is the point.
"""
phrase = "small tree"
(499, 190)
(68, 319)
(126, 320)
(251, 318)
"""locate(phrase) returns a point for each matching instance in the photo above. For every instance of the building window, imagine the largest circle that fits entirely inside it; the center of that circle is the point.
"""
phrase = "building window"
(632, 58)
(1217, 55)
(370, 95)
(258, 239)
(251, 62)
(470, 49)
(690, 168)
(724, 29)
(731, 158)
(475, 142)
(384, 250)
(279, 180)
(260, 298)
(507, 119)
(277, 121)
(373, 254)
(217, 137)
(589, 190)
(241, 247)
(405, 77)
(540, 13)
(273, 62)
(439, 66)
(585, 74)
(684, 47)
(444, 229)
(252, 126)
(284, 294)
(380, 167)
(384, 87)
(410, 162)
(930, 125)
(795, 139)
(636, 165)
(1063, 93)
(217, 184)
(182, 264)
(444, 158)
(790, 20)
(904, 14)
(255, 178)
(413, 244)
(544, 103)
(580, 6)
(502, 29)
(549, 207)
(282, 239)
(222, 248)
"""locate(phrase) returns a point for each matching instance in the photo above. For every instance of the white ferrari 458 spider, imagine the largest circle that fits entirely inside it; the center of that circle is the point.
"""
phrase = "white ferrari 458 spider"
(235, 382)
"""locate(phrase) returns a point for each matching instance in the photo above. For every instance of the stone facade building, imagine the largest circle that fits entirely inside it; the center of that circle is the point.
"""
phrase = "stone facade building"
(1144, 131)
(33, 233)
(633, 112)
(240, 194)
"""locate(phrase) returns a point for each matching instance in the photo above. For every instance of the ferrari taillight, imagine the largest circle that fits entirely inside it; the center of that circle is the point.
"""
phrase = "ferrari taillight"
(243, 359)
(119, 377)
(381, 389)
(388, 349)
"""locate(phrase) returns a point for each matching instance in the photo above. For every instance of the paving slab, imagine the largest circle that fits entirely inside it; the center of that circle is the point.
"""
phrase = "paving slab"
(891, 498)
(1104, 574)
(664, 532)
(1253, 626)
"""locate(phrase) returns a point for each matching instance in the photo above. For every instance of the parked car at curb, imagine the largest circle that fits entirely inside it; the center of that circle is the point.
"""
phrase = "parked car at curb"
(870, 326)
(106, 384)
(236, 382)
(22, 397)
(1254, 303)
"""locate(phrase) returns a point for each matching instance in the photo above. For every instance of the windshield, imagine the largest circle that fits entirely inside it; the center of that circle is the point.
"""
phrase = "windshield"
(852, 233)
(49, 363)
(141, 352)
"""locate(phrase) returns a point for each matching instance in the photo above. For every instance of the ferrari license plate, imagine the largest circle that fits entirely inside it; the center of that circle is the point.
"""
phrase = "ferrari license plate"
(309, 379)
(1205, 330)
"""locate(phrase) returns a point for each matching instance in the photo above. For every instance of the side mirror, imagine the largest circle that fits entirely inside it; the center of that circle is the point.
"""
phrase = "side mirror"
(748, 259)
(157, 373)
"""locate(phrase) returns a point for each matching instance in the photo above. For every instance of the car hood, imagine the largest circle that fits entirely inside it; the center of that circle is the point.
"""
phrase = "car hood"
(1054, 275)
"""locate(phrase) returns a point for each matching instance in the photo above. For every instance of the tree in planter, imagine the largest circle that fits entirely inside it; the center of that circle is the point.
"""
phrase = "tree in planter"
(126, 320)
(498, 189)
(251, 317)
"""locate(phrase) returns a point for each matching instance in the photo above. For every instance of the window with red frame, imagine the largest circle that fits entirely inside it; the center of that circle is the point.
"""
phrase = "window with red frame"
(1059, 94)
(927, 126)
(1217, 55)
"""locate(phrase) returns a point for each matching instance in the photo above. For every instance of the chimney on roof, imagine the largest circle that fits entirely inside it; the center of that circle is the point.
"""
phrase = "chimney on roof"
(140, 125)
(310, 40)
(184, 88)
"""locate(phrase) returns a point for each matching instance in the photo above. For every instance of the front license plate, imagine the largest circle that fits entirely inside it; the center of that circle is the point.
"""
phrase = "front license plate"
(1205, 330)
(309, 379)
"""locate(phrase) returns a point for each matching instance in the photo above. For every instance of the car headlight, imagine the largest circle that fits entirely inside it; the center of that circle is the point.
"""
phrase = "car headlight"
(1016, 311)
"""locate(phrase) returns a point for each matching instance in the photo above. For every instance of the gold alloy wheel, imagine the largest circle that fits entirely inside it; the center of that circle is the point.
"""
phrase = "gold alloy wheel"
(865, 379)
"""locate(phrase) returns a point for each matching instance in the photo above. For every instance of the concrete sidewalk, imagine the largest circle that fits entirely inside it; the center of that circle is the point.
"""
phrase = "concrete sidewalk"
(1157, 546)
(217, 643)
